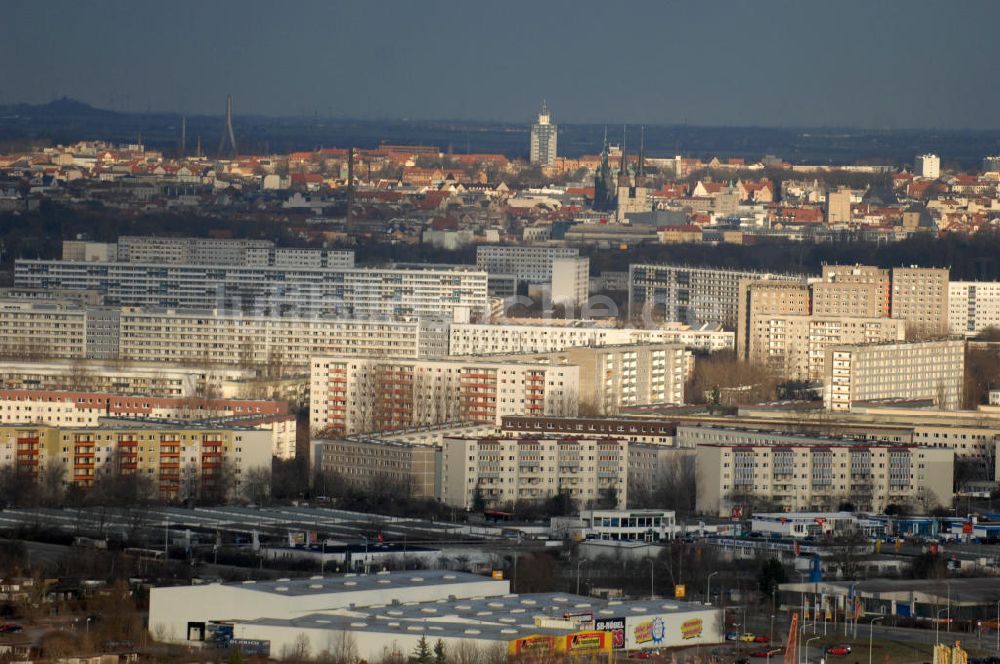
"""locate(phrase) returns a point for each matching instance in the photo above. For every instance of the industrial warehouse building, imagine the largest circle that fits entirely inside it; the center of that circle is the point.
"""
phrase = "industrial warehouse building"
(388, 613)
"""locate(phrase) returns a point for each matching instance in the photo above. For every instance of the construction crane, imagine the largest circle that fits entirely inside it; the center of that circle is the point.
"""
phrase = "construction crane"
(792, 646)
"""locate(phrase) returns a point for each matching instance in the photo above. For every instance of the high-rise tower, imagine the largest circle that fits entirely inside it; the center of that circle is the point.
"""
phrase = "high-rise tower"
(543, 139)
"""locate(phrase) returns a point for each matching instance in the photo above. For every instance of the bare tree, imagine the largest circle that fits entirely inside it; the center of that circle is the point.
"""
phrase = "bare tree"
(255, 485)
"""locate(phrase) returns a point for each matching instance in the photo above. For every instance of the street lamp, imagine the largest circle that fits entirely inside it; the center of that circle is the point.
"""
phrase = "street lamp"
(770, 634)
(708, 588)
(808, 641)
(937, 626)
(998, 627)
(651, 576)
(578, 563)
(871, 626)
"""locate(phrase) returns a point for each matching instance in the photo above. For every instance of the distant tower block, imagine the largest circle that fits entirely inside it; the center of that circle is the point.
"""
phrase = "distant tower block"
(227, 144)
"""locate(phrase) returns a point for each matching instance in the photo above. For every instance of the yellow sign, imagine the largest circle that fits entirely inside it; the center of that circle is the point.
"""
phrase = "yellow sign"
(680, 590)
(531, 645)
(691, 629)
(498, 574)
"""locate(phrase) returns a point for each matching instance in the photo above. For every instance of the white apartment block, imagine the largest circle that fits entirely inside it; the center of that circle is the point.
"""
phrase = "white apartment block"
(920, 297)
(42, 329)
(445, 292)
(812, 473)
(205, 251)
(350, 395)
(531, 264)
(89, 409)
(168, 335)
(927, 166)
(506, 470)
(688, 294)
(616, 377)
(794, 347)
(133, 378)
(904, 370)
(973, 306)
(555, 335)
(570, 282)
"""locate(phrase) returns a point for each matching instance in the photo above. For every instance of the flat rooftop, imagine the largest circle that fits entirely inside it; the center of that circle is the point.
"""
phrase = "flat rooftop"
(351, 583)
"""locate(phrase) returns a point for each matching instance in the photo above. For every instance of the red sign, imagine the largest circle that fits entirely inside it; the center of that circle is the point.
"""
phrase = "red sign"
(967, 528)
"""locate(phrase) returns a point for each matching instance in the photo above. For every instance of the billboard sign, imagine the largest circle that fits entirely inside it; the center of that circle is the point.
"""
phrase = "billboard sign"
(615, 627)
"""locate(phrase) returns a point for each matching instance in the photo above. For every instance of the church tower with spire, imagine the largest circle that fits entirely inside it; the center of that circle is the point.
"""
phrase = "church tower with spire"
(632, 193)
(604, 181)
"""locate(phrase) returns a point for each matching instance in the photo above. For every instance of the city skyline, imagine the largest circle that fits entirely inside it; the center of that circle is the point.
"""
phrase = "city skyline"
(774, 63)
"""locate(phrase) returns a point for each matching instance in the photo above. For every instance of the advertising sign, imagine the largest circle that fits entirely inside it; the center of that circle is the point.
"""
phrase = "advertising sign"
(584, 643)
(692, 629)
(535, 645)
(615, 627)
(257, 647)
(649, 633)
(680, 590)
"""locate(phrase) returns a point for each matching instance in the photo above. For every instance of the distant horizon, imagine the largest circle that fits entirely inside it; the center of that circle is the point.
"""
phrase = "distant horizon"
(613, 126)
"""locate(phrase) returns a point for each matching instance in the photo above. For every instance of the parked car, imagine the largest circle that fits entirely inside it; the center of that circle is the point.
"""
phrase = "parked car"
(766, 652)
(748, 637)
(732, 635)
(839, 649)
(10, 628)
(640, 654)
(760, 638)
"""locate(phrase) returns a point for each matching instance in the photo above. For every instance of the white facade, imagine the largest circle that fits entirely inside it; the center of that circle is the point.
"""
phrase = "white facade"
(628, 525)
(506, 470)
(168, 335)
(927, 166)
(801, 473)
(973, 306)
(905, 370)
(172, 610)
(443, 292)
(570, 282)
(531, 264)
(356, 395)
(546, 336)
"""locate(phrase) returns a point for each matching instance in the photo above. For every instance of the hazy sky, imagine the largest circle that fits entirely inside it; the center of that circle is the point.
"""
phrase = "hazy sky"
(866, 63)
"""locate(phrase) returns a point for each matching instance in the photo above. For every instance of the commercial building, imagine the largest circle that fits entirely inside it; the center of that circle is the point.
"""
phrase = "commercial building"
(801, 473)
(183, 461)
(435, 291)
(544, 140)
(88, 409)
(973, 306)
(927, 166)
(372, 615)
(374, 464)
(234, 338)
(689, 295)
(794, 347)
(356, 395)
(530, 264)
(500, 471)
(894, 370)
(616, 377)
(570, 282)
(628, 525)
